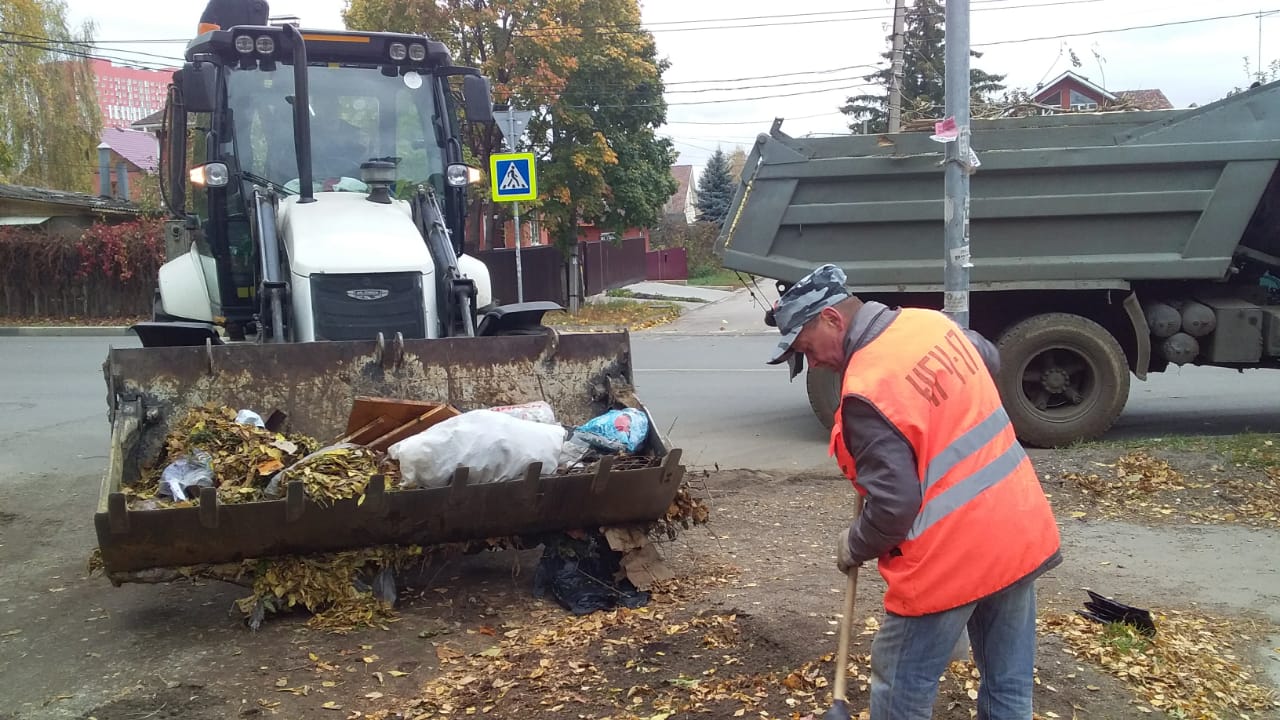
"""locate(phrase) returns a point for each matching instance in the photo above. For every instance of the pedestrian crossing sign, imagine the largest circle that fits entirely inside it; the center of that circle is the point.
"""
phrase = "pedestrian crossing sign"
(513, 177)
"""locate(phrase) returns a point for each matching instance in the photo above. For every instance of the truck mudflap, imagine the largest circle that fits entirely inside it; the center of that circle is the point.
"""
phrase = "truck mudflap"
(315, 384)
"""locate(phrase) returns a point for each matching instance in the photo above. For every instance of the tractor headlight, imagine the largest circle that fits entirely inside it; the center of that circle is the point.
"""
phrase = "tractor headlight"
(399, 52)
(244, 44)
(417, 53)
(213, 175)
(266, 45)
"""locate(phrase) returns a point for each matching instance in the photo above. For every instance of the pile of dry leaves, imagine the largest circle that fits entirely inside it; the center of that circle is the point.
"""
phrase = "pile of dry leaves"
(1142, 485)
(611, 314)
(1188, 669)
(245, 459)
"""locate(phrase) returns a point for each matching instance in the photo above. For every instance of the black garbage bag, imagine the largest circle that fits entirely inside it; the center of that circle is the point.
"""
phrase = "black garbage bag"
(1106, 611)
(579, 574)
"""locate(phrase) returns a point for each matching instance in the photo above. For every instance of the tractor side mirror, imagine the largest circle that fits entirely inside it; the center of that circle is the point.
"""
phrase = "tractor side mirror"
(478, 98)
(199, 87)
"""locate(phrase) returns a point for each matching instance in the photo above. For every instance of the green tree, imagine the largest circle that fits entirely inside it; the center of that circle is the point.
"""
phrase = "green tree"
(715, 189)
(592, 78)
(50, 125)
(923, 72)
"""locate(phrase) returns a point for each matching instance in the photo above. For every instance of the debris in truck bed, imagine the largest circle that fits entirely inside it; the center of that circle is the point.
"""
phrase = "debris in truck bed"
(244, 457)
(1188, 670)
(338, 473)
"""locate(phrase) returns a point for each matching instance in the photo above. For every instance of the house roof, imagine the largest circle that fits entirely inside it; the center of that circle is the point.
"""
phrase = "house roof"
(684, 176)
(153, 121)
(1069, 76)
(1145, 99)
(140, 148)
(67, 199)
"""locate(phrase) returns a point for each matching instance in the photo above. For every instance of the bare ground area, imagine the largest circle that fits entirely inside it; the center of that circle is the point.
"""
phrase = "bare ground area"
(746, 630)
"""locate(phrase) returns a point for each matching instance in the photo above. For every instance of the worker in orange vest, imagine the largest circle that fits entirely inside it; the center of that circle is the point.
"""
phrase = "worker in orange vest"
(954, 513)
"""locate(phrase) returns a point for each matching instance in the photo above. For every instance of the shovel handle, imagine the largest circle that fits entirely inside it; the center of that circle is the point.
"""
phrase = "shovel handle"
(842, 655)
(846, 622)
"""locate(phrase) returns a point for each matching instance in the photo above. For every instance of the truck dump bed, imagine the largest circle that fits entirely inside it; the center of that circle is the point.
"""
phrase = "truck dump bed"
(315, 384)
(1086, 200)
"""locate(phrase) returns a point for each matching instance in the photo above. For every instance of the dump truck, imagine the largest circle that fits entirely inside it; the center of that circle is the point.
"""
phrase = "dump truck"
(314, 270)
(1104, 245)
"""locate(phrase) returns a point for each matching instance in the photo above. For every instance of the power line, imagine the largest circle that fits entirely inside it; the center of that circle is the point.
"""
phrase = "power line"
(751, 122)
(648, 27)
(73, 53)
(74, 48)
(1171, 23)
(774, 77)
(757, 87)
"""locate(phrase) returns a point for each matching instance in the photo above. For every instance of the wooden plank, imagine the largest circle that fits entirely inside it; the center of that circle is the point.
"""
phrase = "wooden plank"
(413, 427)
(397, 412)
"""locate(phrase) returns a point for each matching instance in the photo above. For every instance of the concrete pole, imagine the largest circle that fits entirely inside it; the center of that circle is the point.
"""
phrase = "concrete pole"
(956, 177)
(896, 74)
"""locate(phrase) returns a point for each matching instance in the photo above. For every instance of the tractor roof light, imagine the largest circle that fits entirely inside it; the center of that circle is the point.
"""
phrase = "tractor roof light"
(266, 45)
(417, 52)
(399, 52)
(244, 44)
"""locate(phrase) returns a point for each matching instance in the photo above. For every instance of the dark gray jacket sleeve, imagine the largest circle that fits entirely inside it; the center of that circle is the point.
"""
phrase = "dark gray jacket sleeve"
(886, 467)
(990, 355)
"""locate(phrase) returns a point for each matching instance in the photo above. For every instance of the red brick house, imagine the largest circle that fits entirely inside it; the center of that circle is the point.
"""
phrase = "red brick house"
(1070, 91)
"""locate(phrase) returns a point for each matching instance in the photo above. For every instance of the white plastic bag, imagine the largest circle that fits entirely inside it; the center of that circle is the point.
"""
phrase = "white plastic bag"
(495, 447)
(537, 411)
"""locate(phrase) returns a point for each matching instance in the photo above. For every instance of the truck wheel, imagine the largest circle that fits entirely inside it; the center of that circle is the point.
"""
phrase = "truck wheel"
(823, 386)
(1063, 378)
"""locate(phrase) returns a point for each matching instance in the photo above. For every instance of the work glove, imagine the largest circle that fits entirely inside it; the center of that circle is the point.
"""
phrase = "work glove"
(844, 556)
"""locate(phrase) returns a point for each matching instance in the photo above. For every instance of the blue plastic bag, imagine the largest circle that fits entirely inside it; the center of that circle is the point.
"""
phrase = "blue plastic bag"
(616, 431)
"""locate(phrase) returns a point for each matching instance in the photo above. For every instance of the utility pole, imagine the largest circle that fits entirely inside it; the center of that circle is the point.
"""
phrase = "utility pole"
(896, 73)
(957, 166)
(512, 135)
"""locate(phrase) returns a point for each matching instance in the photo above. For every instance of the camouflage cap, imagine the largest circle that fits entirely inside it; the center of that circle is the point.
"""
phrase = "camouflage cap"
(801, 303)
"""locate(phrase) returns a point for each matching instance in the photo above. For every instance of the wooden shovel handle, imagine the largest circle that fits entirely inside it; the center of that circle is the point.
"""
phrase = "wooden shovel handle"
(842, 655)
(846, 629)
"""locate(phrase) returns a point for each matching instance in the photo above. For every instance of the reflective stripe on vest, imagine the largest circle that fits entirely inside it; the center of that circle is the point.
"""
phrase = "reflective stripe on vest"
(984, 521)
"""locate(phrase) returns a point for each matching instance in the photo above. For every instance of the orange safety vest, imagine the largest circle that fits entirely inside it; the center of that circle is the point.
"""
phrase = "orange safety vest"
(984, 522)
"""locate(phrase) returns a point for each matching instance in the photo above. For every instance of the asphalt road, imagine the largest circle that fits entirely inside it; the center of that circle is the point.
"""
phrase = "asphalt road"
(712, 394)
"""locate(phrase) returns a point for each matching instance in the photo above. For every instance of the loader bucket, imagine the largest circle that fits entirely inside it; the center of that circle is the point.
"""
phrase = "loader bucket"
(315, 384)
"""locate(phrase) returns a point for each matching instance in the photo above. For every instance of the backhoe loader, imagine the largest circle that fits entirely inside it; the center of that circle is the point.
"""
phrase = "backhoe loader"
(318, 194)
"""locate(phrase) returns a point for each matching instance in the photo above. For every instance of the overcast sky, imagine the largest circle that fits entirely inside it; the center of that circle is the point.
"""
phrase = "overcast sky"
(816, 44)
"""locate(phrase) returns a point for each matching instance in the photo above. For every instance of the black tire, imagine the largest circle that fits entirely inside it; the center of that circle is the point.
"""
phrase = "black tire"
(1063, 379)
(823, 387)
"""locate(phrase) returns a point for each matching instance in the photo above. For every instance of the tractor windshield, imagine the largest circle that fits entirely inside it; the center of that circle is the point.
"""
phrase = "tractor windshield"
(357, 114)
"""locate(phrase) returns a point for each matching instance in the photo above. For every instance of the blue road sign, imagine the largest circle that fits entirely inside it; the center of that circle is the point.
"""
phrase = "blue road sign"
(513, 177)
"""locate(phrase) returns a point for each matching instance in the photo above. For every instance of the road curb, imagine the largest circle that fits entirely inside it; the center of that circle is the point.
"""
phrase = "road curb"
(64, 331)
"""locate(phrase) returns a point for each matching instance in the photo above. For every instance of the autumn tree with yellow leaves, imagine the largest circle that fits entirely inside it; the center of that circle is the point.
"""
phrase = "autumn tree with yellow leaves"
(50, 124)
(592, 77)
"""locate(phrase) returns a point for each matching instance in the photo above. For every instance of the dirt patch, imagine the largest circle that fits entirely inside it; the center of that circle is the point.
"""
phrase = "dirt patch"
(7, 518)
(1187, 482)
(749, 627)
(170, 700)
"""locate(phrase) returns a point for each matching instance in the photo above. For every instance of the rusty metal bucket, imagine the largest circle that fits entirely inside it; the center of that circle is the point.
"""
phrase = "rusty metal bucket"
(315, 384)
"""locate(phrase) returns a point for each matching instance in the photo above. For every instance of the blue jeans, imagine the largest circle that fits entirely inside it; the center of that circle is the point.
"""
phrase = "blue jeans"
(909, 654)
